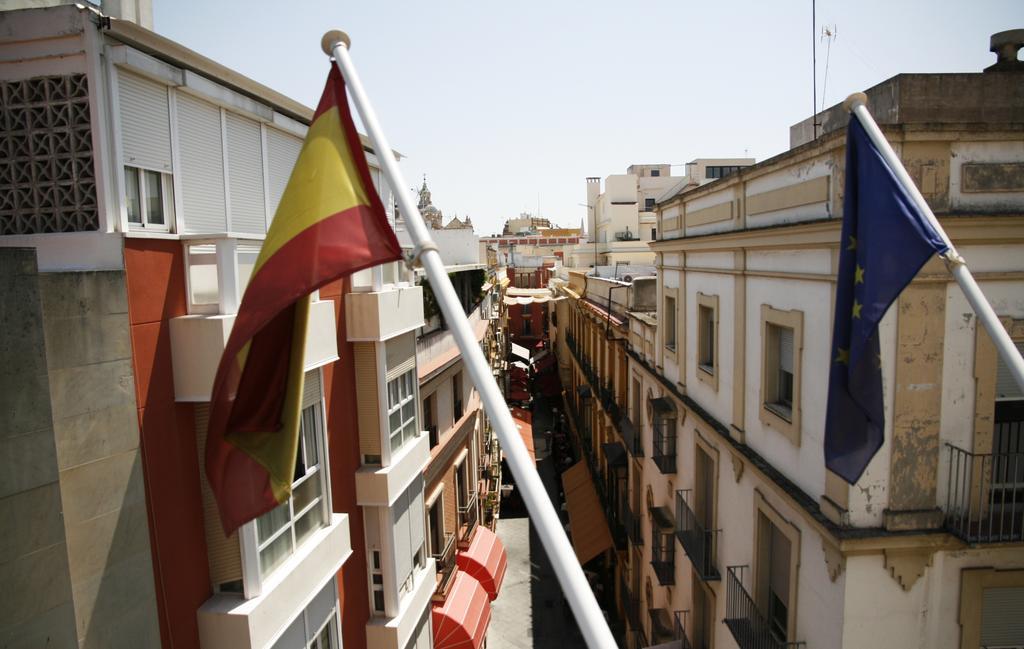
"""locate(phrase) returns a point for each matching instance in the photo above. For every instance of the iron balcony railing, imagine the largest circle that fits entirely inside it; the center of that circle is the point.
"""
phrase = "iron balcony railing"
(664, 451)
(701, 545)
(985, 496)
(468, 518)
(680, 630)
(445, 564)
(748, 625)
(630, 601)
(631, 438)
(663, 556)
(631, 521)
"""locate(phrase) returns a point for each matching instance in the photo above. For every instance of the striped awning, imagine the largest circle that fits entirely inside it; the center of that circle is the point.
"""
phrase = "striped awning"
(461, 621)
(485, 560)
(587, 523)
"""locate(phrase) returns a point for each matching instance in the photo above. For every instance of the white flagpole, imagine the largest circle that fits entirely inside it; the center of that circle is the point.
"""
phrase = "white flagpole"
(542, 514)
(857, 104)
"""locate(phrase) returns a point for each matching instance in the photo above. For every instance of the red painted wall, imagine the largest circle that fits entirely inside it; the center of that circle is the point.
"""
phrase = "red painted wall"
(343, 442)
(170, 461)
(538, 312)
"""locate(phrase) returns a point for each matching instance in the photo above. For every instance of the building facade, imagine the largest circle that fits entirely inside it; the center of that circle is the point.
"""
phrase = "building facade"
(137, 185)
(748, 541)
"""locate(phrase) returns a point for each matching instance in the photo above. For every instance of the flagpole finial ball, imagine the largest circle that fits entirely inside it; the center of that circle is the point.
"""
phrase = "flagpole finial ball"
(854, 100)
(332, 39)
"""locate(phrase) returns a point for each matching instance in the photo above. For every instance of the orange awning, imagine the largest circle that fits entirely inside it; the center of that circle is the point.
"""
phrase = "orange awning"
(461, 621)
(587, 523)
(526, 432)
(485, 560)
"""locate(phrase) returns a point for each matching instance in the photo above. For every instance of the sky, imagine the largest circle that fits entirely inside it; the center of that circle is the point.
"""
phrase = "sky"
(508, 107)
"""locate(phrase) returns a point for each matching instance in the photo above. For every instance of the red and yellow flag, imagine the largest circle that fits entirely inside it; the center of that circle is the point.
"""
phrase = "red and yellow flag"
(329, 223)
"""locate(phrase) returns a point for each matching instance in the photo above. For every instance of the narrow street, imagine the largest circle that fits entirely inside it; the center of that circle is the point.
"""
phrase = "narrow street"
(531, 612)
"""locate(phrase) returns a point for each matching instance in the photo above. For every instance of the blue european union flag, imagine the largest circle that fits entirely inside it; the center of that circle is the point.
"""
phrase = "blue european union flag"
(885, 242)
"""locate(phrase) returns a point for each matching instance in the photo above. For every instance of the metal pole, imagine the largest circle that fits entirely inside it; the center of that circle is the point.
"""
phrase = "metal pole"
(542, 514)
(857, 104)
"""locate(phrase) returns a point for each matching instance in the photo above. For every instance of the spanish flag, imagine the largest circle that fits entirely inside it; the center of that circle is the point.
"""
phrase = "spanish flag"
(330, 223)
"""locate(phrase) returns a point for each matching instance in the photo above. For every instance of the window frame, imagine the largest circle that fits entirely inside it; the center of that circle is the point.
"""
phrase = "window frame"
(318, 438)
(166, 195)
(670, 349)
(770, 414)
(707, 373)
(792, 533)
(405, 425)
(973, 582)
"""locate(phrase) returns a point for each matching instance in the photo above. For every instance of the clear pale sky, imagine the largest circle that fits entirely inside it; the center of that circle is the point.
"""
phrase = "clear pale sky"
(509, 105)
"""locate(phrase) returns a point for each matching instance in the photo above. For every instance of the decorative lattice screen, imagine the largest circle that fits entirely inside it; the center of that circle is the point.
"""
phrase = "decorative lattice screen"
(47, 182)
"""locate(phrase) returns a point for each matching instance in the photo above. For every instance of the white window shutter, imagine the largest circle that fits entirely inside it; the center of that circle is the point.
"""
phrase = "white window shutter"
(311, 389)
(282, 152)
(202, 165)
(786, 349)
(245, 175)
(1006, 387)
(403, 556)
(417, 520)
(1001, 621)
(145, 123)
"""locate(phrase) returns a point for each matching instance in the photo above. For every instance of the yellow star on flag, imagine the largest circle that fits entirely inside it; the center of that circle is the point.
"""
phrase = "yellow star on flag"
(857, 306)
(858, 275)
(853, 243)
(843, 356)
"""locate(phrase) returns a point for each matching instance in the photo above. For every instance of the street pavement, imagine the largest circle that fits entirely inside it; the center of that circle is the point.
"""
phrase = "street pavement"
(530, 612)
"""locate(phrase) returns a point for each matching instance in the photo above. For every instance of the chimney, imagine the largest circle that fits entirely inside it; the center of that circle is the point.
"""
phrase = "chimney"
(1005, 45)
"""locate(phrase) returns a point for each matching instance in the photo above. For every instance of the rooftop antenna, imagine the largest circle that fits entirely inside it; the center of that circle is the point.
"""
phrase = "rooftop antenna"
(814, 68)
(828, 34)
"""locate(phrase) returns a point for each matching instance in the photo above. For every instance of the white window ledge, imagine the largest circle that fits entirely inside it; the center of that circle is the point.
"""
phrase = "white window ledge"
(380, 486)
(228, 621)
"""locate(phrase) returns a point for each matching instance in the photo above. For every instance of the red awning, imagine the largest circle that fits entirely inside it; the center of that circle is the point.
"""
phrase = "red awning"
(522, 414)
(519, 395)
(461, 621)
(526, 433)
(518, 374)
(543, 363)
(485, 560)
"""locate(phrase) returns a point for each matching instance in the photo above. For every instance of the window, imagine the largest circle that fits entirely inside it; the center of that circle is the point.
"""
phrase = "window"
(670, 322)
(648, 204)
(720, 171)
(430, 419)
(782, 343)
(316, 627)
(281, 530)
(654, 234)
(402, 409)
(377, 581)
(147, 198)
(655, 173)
(527, 325)
(777, 544)
(408, 523)
(435, 520)
(457, 396)
(707, 339)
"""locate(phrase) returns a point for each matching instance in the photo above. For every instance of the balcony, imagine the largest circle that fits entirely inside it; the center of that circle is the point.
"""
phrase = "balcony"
(664, 451)
(625, 235)
(748, 625)
(445, 565)
(663, 546)
(629, 433)
(468, 517)
(662, 626)
(383, 304)
(217, 271)
(631, 521)
(700, 545)
(985, 496)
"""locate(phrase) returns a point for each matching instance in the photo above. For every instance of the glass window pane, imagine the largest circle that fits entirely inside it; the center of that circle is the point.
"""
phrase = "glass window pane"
(131, 190)
(309, 523)
(275, 553)
(395, 421)
(307, 492)
(272, 521)
(154, 197)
